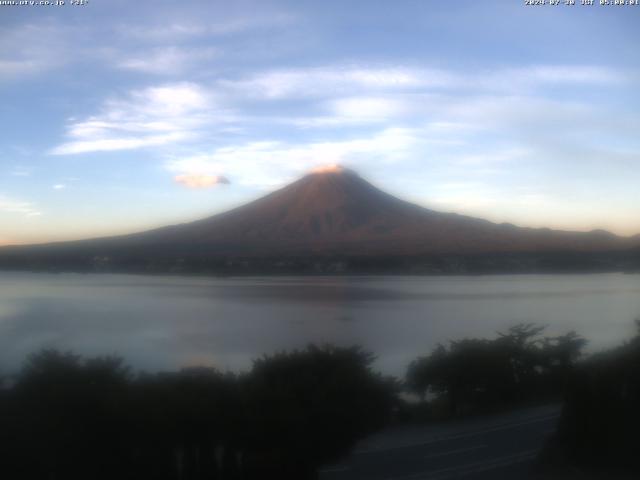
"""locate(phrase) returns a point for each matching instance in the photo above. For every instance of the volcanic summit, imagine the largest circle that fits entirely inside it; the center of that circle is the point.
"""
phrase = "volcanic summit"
(334, 210)
(330, 211)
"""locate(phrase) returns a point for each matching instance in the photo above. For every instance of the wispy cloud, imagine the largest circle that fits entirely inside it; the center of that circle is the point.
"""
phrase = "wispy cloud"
(267, 163)
(493, 157)
(21, 66)
(154, 116)
(167, 60)
(201, 181)
(21, 171)
(369, 109)
(120, 143)
(335, 96)
(155, 33)
(331, 81)
(189, 28)
(29, 57)
(335, 80)
(560, 74)
(470, 121)
(20, 207)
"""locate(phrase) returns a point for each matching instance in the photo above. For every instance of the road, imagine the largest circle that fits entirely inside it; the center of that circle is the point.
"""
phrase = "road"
(496, 447)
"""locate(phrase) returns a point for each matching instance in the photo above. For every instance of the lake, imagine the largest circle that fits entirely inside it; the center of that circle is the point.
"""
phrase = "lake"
(164, 322)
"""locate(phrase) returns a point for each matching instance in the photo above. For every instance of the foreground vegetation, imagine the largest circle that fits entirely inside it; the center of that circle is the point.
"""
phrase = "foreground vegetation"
(480, 375)
(598, 429)
(72, 418)
(596, 435)
(67, 417)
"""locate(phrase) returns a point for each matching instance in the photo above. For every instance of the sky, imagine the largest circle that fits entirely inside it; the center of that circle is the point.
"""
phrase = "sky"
(118, 116)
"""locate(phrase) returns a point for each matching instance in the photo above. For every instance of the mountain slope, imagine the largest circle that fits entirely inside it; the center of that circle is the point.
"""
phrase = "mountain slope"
(329, 212)
(336, 211)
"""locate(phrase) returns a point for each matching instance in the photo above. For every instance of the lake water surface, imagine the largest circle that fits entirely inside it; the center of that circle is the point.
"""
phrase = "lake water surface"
(164, 322)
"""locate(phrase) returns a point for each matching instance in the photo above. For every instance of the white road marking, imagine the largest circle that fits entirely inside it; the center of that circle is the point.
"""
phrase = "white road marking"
(459, 436)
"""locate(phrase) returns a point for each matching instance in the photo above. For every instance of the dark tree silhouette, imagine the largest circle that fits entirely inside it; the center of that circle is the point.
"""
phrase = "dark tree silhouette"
(72, 418)
(600, 421)
(65, 417)
(311, 405)
(184, 420)
(473, 375)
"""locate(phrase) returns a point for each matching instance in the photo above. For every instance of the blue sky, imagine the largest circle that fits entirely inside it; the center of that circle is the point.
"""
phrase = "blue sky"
(118, 116)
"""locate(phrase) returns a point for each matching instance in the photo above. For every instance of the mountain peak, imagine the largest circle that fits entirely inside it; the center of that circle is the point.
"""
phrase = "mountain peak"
(332, 168)
(334, 211)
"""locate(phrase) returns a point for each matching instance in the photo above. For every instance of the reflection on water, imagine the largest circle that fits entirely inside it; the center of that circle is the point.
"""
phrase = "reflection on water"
(166, 322)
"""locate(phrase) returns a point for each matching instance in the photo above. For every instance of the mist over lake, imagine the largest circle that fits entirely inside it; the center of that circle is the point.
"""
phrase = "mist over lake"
(165, 322)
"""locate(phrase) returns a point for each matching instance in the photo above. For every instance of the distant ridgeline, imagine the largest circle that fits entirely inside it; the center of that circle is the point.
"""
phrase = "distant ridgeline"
(330, 222)
(150, 261)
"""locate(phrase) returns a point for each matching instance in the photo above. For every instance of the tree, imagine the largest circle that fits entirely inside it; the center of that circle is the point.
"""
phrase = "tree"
(67, 417)
(600, 420)
(480, 374)
(309, 406)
